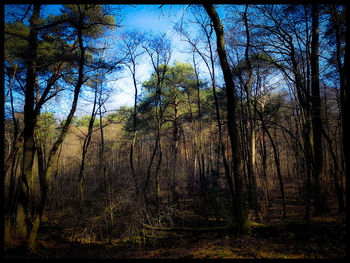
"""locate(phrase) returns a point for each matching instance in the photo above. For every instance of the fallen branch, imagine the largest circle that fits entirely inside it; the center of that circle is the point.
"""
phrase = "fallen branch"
(189, 229)
(165, 237)
(256, 228)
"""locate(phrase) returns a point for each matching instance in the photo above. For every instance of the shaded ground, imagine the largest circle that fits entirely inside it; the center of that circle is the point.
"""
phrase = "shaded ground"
(294, 237)
(291, 238)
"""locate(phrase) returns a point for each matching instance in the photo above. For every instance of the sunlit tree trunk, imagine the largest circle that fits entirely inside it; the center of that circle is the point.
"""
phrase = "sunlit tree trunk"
(251, 151)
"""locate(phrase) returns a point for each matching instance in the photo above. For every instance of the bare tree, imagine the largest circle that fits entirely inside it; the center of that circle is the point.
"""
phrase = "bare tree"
(159, 50)
(131, 46)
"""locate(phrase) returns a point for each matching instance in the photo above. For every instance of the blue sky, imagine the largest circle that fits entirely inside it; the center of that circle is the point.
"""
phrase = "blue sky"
(147, 18)
(141, 17)
(151, 17)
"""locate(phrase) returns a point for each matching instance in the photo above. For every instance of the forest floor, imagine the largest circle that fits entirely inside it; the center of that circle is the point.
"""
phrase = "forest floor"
(294, 237)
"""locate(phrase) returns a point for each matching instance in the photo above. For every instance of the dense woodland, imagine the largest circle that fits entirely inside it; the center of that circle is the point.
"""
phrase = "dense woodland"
(245, 138)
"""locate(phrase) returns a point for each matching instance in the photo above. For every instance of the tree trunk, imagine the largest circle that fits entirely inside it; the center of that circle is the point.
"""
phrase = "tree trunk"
(86, 144)
(345, 110)
(155, 149)
(241, 209)
(102, 161)
(218, 120)
(53, 153)
(10, 206)
(251, 151)
(335, 172)
(277, 163)
(24, 217)
(133, 139)
(175, 147)
(320, 201)
(199, 141)
(304, 101)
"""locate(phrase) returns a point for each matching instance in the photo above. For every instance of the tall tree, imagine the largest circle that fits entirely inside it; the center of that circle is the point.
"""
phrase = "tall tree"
(251, 151)
(84, 21)
(286, 25)
(158, 48)
(336, 28)
(207, 55)
(25, 208)
(131, 46)
(320, 206)
(87, 140)
(345, 107)
(241, 209)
